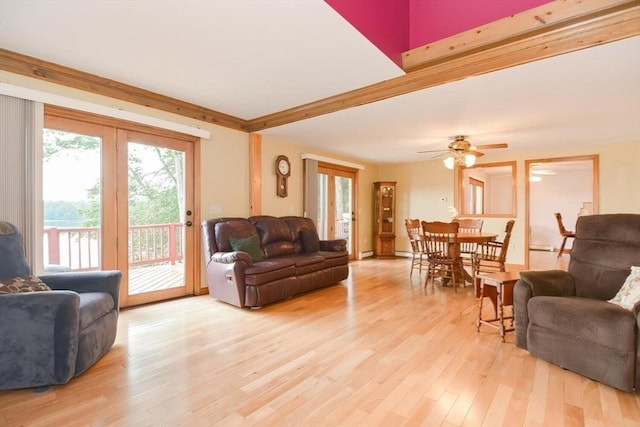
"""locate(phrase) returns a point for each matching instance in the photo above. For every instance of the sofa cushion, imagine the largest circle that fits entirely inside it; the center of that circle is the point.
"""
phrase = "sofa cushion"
(308, 263)
(629, 294)
(332, 259)
(250, 245)
(94, 305)
(232, 228)
(310, 240)
(585, 319)
(22, 284)
(268, 270)
(275, 236)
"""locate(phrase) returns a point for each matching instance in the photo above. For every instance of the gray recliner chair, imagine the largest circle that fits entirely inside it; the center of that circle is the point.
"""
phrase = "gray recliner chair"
(49, 337)
(564, 318)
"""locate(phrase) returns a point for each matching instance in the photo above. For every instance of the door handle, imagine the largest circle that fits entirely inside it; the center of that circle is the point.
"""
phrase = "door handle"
(188, 223)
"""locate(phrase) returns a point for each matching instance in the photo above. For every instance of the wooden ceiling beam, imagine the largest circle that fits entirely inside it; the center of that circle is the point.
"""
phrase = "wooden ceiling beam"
(42, 70)
(582, 31)
(520, 26)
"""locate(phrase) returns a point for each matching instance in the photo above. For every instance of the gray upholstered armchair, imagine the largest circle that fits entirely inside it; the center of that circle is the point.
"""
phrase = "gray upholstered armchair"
(48, 337)
(564, 317)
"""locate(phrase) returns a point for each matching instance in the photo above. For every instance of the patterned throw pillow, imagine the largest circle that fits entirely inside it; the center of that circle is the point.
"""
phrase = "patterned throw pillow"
(22, 284)
(629, 294)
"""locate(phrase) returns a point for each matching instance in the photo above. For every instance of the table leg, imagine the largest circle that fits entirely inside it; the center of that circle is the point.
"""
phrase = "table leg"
(500, 310)
(480, 298)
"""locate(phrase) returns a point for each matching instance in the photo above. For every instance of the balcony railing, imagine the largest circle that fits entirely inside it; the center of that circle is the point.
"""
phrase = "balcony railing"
(340, 228)
(78, 248)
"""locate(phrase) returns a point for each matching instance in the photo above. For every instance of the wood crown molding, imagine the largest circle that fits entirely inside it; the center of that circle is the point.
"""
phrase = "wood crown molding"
(556, 28)
(42, 70)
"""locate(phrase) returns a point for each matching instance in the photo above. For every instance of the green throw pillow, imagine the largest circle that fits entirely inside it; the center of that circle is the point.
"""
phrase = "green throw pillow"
(250, 245)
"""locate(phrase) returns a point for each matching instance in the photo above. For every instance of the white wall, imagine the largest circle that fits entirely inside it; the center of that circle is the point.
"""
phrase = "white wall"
(499, 186)
(564, 193)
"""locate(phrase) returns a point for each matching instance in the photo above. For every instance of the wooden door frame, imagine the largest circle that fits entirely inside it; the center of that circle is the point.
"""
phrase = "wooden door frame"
(111, 212)
(347, 172)
(594, 158)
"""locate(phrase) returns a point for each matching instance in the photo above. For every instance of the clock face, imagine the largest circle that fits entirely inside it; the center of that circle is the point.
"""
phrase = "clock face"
(283, 167)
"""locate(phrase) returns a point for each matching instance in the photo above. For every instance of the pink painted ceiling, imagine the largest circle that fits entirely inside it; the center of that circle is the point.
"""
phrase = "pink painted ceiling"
(395, 26)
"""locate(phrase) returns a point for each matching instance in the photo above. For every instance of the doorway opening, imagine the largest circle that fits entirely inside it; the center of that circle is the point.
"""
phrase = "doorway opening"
(568, 185)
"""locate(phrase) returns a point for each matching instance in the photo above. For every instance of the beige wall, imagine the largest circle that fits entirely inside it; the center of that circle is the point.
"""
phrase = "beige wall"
(421, 185)
(293, 205)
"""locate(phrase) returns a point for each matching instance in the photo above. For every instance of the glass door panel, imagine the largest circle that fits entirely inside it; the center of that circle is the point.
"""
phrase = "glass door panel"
(72, 200)
(343, 209)
(336, 211)
(157, 204)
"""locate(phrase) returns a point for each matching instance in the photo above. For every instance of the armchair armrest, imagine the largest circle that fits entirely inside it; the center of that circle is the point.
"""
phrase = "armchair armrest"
(336, 245)
(39, 336)
(231, 257)
(536, 283)
(87, 281)
(550, 282)
(225, 276)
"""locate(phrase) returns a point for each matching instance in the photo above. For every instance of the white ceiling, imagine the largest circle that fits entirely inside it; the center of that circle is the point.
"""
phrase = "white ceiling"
(249, 58)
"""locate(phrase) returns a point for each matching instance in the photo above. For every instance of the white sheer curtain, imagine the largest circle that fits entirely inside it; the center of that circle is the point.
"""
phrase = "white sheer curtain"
(21, 124)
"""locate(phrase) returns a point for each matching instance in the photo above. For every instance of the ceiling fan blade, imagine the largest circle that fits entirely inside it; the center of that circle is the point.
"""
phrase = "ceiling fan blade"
(432, 151)
(439, 156)
(475, 153)
(491, 146)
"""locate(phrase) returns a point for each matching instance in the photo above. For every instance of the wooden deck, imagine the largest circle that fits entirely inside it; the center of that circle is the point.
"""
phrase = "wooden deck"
(149, 278)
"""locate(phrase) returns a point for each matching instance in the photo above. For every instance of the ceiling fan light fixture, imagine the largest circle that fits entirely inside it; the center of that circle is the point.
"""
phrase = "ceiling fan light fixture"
(460, 159)
(449, 162)
(469, 160)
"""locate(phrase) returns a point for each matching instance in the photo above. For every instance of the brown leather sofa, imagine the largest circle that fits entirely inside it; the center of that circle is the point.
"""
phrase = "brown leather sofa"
(290, 259)
(564, 318)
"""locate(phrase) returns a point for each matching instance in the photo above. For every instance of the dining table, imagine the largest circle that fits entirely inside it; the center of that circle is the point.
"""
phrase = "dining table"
(471, 237)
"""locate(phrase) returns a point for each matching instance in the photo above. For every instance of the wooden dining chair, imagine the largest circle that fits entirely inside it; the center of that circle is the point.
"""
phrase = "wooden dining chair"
(443, 252)
(468, 225)
(566, 234)
(418, 248)
(491, 258)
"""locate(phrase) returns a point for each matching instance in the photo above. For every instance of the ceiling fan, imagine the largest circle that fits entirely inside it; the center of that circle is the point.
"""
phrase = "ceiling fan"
(460, 151)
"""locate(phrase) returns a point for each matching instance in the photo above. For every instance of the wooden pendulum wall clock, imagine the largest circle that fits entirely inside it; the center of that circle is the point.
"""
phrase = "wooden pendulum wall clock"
(283, 171)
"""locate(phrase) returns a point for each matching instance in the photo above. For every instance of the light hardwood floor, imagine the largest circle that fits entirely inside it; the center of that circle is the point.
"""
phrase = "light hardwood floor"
(371, 351)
